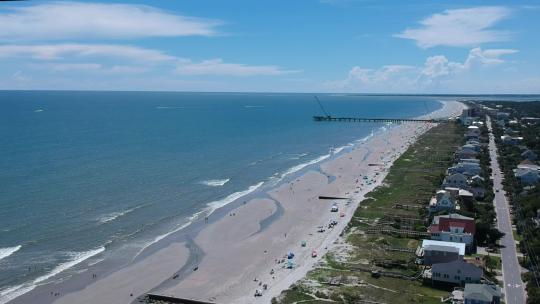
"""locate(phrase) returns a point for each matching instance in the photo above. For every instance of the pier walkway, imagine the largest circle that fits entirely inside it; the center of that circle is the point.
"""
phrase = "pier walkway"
(383, 120)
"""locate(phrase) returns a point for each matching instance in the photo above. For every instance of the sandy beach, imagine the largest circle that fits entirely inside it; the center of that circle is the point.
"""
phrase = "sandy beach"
(244, 249)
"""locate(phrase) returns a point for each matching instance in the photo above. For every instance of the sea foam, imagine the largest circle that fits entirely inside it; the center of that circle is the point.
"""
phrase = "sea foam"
(5, 252)
(114, 215)
(232, 197)
(215, 182)
(13, 292)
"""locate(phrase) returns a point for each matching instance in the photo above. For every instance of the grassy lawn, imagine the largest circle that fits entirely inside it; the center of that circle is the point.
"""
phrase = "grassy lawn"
(517, 236)
(412, 181)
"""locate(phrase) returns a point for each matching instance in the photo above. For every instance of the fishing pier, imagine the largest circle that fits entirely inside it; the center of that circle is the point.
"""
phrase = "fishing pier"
(381, 120)
(330, 118)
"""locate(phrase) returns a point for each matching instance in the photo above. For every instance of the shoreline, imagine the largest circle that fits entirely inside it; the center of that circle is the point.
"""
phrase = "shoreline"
(270, 204)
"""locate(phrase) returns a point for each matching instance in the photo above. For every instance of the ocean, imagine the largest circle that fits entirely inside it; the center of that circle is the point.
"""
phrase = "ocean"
(91, 176)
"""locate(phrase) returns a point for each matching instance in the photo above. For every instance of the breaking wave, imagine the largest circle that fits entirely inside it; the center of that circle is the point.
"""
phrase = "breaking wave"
(215, 182)
(13, 292)
(5, 252)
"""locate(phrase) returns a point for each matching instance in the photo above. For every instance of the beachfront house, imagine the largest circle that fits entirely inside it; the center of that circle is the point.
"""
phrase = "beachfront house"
(456, 272)
(453, 228)
(471, 147)
(456, 180)
(459, 155)
(478, 191)
(482, 294)
(473, 130)
(476, 180)
(473, 142)
(529, 154)
(465, 168)
(433, 252)
(472, 135)
(442, 201)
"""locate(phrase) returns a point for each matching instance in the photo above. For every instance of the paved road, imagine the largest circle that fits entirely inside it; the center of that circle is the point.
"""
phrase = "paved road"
(513, 285)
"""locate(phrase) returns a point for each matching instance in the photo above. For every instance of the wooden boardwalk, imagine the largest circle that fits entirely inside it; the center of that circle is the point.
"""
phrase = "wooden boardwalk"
(152, 298)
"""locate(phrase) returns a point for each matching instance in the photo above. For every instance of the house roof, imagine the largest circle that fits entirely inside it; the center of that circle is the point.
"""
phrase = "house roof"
(528, 152)
(456, 175)
(457, 264)
(481, 292)
(520, 172)
(465, 193)
(477, 177)
(441, 248)
(451, 216)
(444, 222)
(459, 246)
(527, 164)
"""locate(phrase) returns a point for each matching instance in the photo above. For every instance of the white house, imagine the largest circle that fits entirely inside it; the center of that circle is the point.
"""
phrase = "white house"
(433, 252)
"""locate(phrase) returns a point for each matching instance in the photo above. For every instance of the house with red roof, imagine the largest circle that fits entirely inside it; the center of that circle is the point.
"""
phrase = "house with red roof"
(453, 228)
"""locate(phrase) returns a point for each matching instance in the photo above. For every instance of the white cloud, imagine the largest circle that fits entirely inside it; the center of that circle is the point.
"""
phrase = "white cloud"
(64, 57)
(403, 78)
(218, 67)
(61, 51)
(383, 74)
(487, 57)
(62, 67)
(20, 77)
(89, 68)
(439, 66)
(68, 20)
(459, 27)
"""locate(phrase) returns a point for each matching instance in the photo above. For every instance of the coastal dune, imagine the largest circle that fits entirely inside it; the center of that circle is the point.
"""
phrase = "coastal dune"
(245, 249)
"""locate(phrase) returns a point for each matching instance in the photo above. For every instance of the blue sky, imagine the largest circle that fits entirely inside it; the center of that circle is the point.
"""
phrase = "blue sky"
(365, 46)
